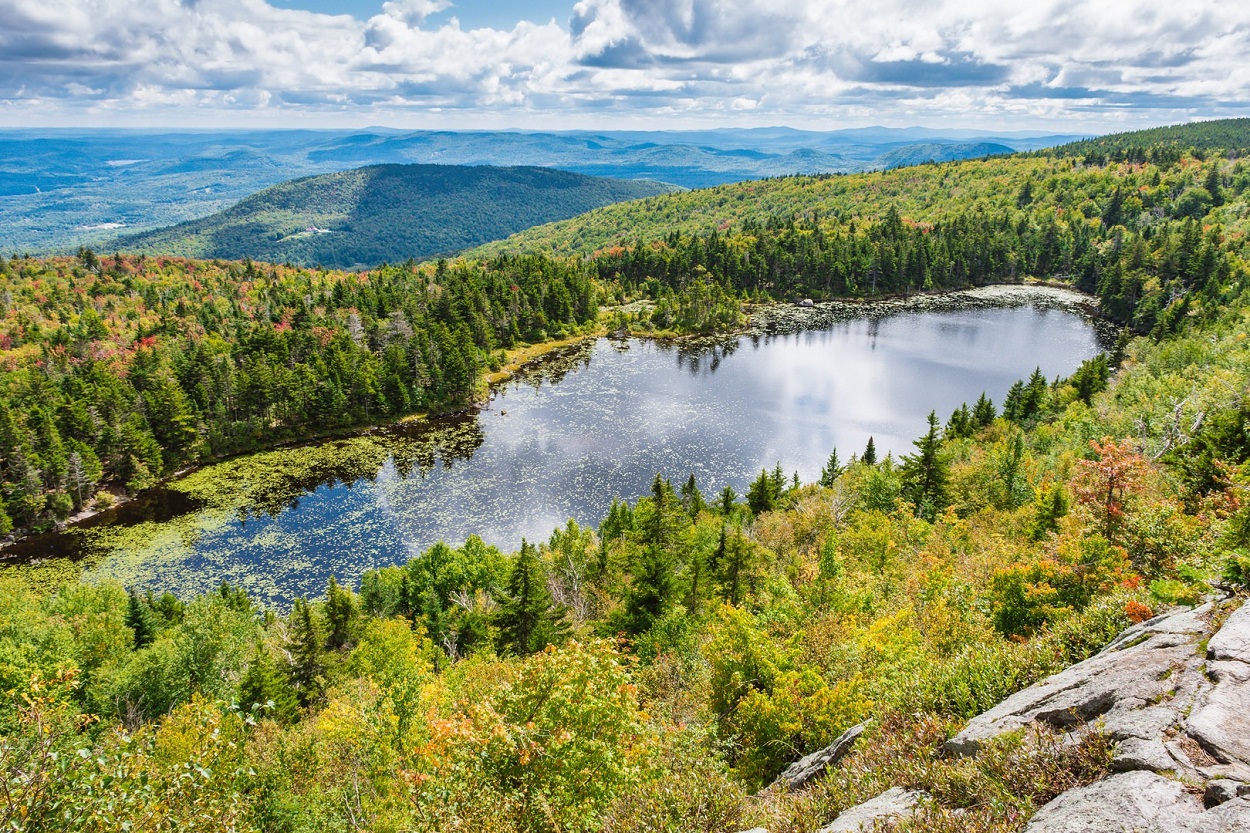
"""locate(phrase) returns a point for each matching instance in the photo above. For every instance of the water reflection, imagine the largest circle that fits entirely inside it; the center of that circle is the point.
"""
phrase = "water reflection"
(599, 420)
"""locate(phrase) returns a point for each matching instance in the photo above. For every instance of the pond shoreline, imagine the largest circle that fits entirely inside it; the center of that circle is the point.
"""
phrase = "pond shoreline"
(530, 357)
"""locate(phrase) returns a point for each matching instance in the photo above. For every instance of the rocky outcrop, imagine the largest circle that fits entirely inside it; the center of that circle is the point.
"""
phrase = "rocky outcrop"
(892, 804)
(1220, 720)
(1169, 707)
(805, 770)
(1173, 693)
(1138, 802)
(1139, 685)
(1180, 717)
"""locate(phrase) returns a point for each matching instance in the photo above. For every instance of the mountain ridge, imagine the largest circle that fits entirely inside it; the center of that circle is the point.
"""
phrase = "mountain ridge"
(386, 213)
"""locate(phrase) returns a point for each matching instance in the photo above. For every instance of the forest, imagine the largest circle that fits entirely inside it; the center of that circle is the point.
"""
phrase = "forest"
(372, 215)
(124, 368)
(656, 671)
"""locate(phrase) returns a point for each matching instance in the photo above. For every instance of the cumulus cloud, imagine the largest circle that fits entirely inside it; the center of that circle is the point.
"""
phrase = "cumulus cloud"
(935, 61)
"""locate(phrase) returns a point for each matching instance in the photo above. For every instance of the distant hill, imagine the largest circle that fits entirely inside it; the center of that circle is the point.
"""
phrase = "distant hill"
(918, 154)
(61, 189)
(387, 213)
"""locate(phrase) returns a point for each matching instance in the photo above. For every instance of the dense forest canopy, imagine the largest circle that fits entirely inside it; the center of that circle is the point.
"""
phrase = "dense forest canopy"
(653, 673)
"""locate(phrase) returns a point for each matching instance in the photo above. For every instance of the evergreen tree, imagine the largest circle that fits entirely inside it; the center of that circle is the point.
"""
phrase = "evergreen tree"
(833, 468)
(263, 689)
(341, 614)
(1009, 471)
(528, 619)
(736, 562)
(983, 413)
(762, 494)
(727, 500)
(692, 498)
(1051, 505)
(960, 424)
(142, 619)
(1013, 405)
(925, 474)
(869, 457)
(651, 590)
(235, 598)
(659, 523)
(307, 663)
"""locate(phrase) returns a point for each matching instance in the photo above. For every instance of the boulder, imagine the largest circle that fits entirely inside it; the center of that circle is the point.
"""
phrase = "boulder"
(805, 770)
(1221, 790)
(892, 804)
(1232, 643)
(1131, 802)
(1139, 685)
(1230, 817)
(1137, 753)
(1220, 720)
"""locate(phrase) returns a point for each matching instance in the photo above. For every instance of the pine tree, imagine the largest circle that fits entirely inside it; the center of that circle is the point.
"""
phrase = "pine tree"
(727, 500)
(925, 474)
(528, 619)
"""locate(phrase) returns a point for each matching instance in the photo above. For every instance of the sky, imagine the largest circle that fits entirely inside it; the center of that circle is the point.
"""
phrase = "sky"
(1071, 66)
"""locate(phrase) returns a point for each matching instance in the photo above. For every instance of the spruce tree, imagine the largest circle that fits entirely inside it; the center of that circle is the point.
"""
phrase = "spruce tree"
(341, 615)
(692, 498)
(761, 495)
(651, 591)
(307, 664)
(983, 413)
(833, 468)
(735, 562)
(142, 619)
(925, 474)
(528, 619)
(960, 424)
(263, 689)
(869, 457)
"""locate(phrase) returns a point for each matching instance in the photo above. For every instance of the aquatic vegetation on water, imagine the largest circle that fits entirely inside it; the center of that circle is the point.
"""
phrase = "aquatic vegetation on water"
(585, 424)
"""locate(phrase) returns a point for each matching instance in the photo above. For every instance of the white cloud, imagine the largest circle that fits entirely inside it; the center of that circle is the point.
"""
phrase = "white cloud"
(770, 60)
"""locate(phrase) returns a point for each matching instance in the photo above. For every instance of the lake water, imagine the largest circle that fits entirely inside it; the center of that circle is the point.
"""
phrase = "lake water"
(598, 422)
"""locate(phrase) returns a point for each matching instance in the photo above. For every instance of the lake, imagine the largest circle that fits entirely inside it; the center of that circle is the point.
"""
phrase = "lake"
(596, 422)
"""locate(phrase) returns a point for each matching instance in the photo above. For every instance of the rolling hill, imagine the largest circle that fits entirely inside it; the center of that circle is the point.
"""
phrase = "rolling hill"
(387, 213)
(61, 189)
(923, 193)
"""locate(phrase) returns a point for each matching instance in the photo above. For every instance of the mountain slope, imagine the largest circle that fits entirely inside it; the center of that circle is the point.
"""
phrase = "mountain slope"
(921, 193)
(387, 213)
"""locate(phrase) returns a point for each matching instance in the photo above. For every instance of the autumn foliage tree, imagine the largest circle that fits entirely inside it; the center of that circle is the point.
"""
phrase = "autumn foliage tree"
(1106, 485)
